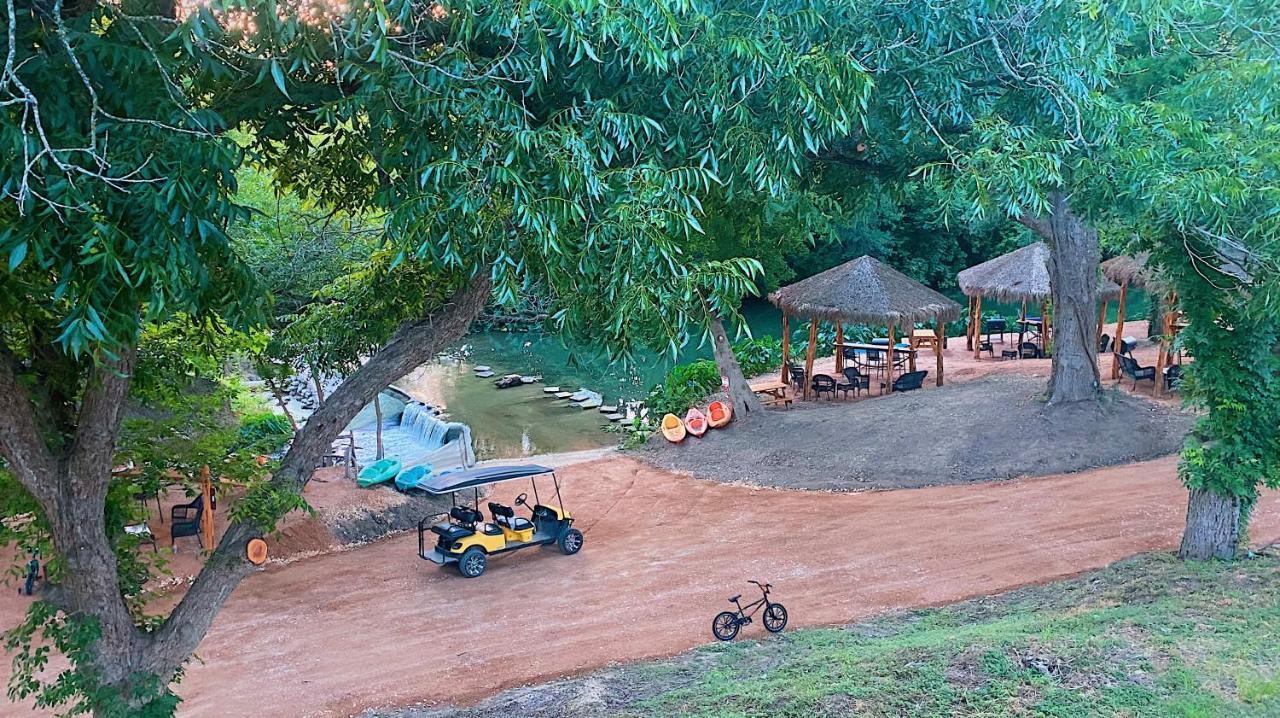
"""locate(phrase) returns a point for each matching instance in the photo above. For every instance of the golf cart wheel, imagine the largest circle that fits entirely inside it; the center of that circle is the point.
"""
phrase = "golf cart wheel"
(570, 542)
(775, 618)
(725, 626)
(472, 562)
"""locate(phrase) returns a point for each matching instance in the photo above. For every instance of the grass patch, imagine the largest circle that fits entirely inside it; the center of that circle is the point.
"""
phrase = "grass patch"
(1150, 636)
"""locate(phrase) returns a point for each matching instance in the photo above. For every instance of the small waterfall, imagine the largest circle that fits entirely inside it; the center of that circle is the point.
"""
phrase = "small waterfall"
(418, 421)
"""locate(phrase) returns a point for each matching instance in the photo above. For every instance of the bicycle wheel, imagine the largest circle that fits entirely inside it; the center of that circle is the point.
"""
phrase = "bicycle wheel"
(775, 618)
(725, 625)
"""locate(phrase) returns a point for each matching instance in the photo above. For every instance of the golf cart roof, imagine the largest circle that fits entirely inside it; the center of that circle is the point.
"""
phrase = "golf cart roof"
(468, 478)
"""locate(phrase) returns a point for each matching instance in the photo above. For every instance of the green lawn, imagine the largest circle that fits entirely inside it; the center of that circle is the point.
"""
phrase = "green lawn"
(1149, 636)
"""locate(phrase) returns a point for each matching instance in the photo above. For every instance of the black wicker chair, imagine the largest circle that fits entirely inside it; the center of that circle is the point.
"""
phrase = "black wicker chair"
(1172, 377)
(853, 381)
(797, 377)
(1104, 344)
(908, 382)
(184, 520)
(823, 384)
(1029, 350)
(1130, 368)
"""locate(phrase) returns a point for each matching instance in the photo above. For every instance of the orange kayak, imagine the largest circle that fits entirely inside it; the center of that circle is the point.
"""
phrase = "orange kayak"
(672, 428)
(696, 422)
(719, 414)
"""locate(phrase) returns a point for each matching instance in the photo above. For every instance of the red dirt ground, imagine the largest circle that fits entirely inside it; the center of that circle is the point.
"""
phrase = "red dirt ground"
(377, 626)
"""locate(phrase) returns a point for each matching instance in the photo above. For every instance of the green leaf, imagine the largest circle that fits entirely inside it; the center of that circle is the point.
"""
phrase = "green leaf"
(17, 255)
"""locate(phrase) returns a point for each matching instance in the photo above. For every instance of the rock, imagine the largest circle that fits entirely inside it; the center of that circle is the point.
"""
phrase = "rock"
(529, 379)
(508, 381)
(608, 409)
(484, 374)
(551, 390)
(615, 417)
(483, 367)
(590, 404)
(563, 394)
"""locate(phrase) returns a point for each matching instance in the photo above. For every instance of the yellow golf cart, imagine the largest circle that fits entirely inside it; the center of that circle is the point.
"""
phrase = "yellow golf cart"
(468, 540)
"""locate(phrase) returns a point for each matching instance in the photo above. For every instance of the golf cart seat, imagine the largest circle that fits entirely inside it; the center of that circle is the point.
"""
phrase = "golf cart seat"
(451, 532)
(466, 515)
(506, 516)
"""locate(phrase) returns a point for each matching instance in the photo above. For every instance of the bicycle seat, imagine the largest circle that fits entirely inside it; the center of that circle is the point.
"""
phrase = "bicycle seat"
(735, 598)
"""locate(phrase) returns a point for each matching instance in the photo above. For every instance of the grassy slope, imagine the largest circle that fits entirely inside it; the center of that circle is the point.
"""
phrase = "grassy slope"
(1145, 637)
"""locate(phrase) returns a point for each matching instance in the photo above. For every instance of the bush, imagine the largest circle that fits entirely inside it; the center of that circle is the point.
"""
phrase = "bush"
(263, 433)
(684, 386)
(759, 356)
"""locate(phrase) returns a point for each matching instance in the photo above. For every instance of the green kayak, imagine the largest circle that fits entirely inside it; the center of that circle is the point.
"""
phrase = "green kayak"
(412, 476)
(378, 472)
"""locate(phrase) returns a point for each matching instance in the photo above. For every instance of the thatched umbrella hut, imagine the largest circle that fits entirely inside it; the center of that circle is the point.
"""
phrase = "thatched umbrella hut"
(1018, 276)
(1136, 269)
(862, 291)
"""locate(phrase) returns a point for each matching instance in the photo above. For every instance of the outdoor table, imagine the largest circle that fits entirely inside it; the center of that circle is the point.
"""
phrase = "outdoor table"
(874, 348)
(921, 338)
(773, 392)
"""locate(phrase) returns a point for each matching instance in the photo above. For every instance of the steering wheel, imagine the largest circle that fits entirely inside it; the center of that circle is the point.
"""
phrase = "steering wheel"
(522, 499)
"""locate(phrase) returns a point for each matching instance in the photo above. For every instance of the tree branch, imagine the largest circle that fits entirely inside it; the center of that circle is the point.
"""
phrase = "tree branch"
(409, 347)
(21, 443)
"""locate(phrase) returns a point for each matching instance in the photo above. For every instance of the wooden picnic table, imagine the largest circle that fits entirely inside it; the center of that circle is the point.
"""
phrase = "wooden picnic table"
(772, 392)
(923, 338)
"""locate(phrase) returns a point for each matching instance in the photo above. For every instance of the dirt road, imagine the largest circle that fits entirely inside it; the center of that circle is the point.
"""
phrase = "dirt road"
(379, 627)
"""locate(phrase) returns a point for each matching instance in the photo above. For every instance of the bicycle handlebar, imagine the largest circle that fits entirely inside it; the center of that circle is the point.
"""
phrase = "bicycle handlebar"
(761, 585)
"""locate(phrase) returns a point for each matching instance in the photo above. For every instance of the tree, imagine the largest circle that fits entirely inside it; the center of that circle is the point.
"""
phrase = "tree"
(1194, 166)
(994, 108)
(505, 147)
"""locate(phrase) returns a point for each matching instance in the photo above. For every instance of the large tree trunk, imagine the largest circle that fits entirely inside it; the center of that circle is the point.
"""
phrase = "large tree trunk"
(746, 405)
(1073, 275)
(72, 493)
(1213, 525)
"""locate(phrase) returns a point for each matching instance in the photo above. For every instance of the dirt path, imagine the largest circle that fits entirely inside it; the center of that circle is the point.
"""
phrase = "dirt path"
(379, 627)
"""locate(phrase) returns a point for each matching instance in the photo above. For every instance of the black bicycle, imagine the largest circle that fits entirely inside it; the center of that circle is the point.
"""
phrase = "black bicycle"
(726, 623)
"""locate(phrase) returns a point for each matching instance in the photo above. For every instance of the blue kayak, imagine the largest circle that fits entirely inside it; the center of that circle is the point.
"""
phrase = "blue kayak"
(378, 472)
(411, 477)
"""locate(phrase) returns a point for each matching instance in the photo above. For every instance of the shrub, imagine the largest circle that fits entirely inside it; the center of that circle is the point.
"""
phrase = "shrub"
(759, 356)
(263, 433)
(684, 386)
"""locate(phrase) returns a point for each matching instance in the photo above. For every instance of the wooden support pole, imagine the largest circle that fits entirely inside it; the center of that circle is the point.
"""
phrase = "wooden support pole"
(1102, 319)
(206, 516)
(1022, 327)
(1044, 329)
(940, 339)
(786, 349)
(977, 328)
(808, 360)
(889, 360)
(1115, 347)
(1166, 329)
(968, 330)
(839, 349)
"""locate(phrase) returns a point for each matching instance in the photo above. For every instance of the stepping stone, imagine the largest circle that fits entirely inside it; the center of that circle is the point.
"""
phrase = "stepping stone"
(608, 409)
(563, 394)
(615, 417)
(590, 404)
(482, 367)
(529, 379)
(580, 395)
(484, 374)
(551, 390)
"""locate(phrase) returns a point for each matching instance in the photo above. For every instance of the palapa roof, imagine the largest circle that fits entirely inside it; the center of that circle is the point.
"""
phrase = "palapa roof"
(864, 291)
(1132, 269)
(1022, 274)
